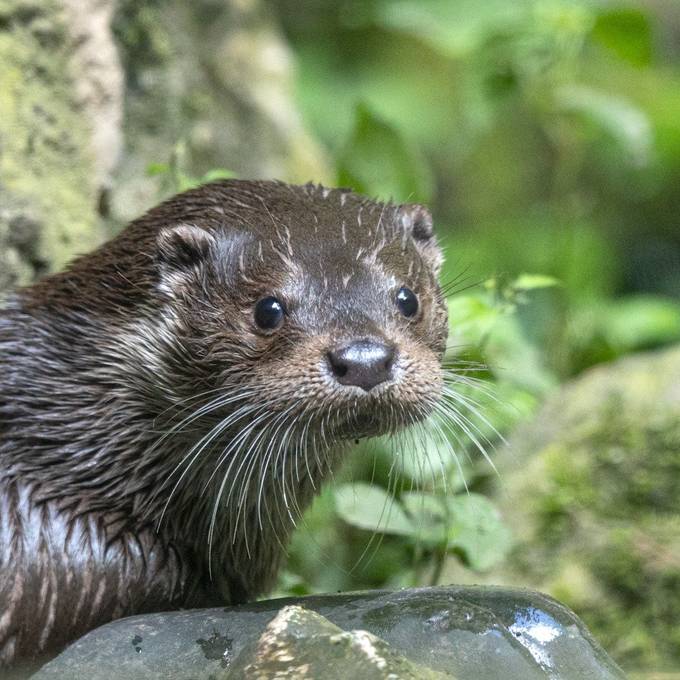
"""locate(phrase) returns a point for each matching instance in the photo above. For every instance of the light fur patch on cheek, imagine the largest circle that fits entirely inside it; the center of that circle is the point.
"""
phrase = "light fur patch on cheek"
(142, 343)
(171, 282)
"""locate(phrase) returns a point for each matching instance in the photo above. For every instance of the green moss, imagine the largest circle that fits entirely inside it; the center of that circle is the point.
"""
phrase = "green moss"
(45, 164)
(138, 28)
(593, 494)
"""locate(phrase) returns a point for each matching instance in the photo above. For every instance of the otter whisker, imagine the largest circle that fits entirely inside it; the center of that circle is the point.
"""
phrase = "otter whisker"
(187, 400)
(265, 473)
(240, 438)
(172, 473)
(475, 408)
(261, 414)
(393, 480)
(214, 405)
(271, 444)
(450, 394)
(287, 497)
(462, 422)
(249, 459)
(461, 288)
(447, 443)
(197, 449)
(468, 428)
(305, 445)
(279, 421)
(453, 378)
(390, 499)
(449, 283)
(426, 436)
(265, 414)
(264, 461)
(421, 440)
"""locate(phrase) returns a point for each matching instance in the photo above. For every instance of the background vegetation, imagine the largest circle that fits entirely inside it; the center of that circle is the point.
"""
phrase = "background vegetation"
(545, 134)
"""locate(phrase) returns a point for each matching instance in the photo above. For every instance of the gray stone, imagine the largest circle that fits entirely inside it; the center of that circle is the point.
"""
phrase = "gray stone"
(473, 632)
(299, 643)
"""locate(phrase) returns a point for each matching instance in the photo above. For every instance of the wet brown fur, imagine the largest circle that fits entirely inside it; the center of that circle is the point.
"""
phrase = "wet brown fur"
(101, 513)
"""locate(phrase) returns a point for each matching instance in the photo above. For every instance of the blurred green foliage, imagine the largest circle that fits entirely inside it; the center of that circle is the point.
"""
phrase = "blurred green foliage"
(545, 135)
(174, 177)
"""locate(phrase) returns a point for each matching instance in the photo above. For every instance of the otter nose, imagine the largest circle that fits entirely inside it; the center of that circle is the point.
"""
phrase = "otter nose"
(362, 363)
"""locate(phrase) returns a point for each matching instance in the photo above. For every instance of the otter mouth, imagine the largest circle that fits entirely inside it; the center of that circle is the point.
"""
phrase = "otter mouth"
(375, 421)
(361, 426)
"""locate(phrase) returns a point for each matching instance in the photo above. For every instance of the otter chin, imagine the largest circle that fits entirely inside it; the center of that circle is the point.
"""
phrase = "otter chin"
(171, 402)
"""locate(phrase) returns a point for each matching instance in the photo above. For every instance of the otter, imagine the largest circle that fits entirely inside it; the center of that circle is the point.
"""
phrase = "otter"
(171, 402)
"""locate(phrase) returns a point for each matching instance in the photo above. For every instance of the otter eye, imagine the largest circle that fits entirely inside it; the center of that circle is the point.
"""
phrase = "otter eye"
(269, 313)
(407, 302)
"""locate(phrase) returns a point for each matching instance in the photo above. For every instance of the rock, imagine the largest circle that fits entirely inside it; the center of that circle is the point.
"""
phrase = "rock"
(592, 490)
(212, 79)
(299, 643)
(99, 85)
(49, 171)
(469, 633)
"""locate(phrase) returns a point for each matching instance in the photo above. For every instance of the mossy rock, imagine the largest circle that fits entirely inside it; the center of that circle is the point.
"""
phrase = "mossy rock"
(592, 491)
(48, 199)
(211, 78)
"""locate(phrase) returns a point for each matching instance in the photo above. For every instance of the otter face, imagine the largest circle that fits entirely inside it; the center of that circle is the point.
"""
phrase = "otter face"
(316, 306)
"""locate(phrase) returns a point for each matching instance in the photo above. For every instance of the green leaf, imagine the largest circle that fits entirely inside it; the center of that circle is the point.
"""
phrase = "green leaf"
(429, 516)
(627, 33)
(534, 281)
(619, 118)
(454, 29)
(477, 531)
(516, 360)
(154, 169)
(186, 182)
(471, 318)
(217, 173)
(378, 161)
(368, 507)
(642, 322)
(291, 585)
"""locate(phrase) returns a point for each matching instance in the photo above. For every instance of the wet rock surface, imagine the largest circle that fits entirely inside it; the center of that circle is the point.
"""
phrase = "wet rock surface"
(461, 632)
(299, 643)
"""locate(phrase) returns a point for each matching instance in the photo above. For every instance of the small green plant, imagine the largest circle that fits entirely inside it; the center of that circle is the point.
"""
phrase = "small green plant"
(174, 177)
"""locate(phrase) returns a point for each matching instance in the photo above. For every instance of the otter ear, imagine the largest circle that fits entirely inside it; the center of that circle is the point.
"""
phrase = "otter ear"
(179, 250)
(183, 246)
(416, 221)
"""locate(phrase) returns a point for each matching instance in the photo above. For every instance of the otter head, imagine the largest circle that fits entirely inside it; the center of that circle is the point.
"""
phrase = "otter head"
(304, 312)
